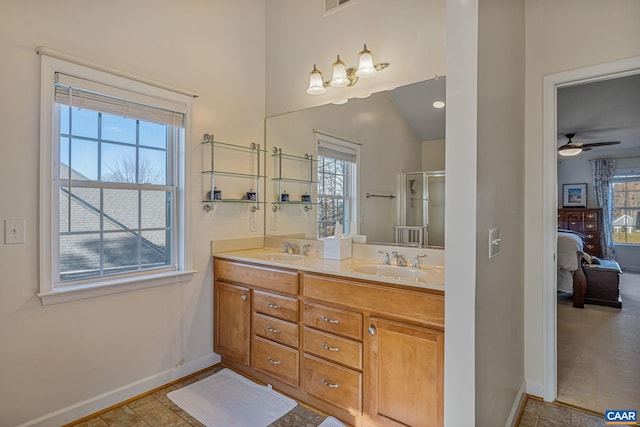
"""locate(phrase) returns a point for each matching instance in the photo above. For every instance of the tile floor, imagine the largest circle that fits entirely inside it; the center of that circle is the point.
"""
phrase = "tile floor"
(156, 409)
(544, 414)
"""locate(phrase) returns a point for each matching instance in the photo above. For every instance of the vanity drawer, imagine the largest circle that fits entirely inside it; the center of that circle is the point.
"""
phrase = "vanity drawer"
(268, 278)
(334, 320)
(276, 360)
(332, 383)
(276, 330)
(273, 305)
(333, 348)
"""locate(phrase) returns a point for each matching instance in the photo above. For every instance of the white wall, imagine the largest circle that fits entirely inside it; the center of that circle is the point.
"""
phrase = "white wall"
(551, 48)
(60, 355)
(409, 34)
(433, 155)
(388, 147)
(500, 281)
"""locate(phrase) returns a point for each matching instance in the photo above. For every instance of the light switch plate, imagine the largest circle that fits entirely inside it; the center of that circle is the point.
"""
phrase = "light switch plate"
(14, 231)
(494, 242)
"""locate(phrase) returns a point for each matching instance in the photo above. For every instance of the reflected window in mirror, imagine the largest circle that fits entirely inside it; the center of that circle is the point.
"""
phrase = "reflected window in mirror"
(337, 191)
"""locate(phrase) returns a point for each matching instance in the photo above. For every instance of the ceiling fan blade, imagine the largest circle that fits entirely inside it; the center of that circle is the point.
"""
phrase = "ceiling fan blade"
(585, 148)
(600, 144)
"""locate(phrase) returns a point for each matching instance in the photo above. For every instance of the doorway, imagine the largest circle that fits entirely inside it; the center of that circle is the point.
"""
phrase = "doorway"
(552, 84)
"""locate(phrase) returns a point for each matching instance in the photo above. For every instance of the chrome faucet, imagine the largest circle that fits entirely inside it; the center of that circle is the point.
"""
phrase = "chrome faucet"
(416, 261)
(400, 261)
(305, 249)
(386, 257)
(294, 248)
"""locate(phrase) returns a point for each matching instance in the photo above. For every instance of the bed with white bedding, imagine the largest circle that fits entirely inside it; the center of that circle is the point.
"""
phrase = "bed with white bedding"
(571, 278)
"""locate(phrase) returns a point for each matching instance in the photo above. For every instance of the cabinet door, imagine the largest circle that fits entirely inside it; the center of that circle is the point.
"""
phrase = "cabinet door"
(232, 322)
(405, 376)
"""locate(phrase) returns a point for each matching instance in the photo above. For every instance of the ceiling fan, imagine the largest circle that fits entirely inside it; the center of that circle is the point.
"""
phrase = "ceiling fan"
(574, 148)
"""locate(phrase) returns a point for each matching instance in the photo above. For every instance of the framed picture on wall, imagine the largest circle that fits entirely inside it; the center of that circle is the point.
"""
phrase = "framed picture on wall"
(574, 195)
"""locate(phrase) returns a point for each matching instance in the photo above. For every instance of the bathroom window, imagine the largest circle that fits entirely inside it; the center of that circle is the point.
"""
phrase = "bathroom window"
(113, 206)
(337, 185)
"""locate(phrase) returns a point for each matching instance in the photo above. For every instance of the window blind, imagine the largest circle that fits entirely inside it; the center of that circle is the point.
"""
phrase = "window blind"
(95, 96)
(338, 152)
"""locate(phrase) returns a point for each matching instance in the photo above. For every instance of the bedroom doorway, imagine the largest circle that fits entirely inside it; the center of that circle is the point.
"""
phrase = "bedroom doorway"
(588, 354)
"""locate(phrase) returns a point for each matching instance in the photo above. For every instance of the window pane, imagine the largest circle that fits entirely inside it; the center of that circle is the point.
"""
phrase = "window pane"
(84, 159)
(120, 129)
(64, 157)
(153, 167)
(85, 209)
(120, 252)
(156, 209)
(79, 255)
(64, 119)
(118, 163)
(154, 248)
(120, 209)
(153, 135)
(84, 123)
(633, 199)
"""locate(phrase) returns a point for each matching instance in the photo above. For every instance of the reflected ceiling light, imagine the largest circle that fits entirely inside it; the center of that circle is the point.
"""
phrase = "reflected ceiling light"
(438, 104)
(343, 76)
(340, 101)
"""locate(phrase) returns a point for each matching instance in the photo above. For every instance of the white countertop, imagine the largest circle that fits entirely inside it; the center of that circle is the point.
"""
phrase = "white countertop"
(428, 277)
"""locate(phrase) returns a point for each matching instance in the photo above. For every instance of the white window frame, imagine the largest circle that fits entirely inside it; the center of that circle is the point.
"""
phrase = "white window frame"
(620, 176)
(181, 270)
(336, 143)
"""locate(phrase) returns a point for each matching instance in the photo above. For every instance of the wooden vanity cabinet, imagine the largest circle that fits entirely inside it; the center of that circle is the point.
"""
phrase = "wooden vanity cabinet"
(369, 353)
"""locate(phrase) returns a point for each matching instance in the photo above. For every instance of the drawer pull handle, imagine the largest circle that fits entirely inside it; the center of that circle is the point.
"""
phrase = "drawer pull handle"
(326, 319)
(273, 330)
(273, 361)
(274, 306)
(326, 347)
(328, 384)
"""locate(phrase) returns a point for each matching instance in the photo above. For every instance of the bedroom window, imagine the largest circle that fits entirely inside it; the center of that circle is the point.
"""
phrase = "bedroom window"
(337, 184)
(113, 179)
(626, 214)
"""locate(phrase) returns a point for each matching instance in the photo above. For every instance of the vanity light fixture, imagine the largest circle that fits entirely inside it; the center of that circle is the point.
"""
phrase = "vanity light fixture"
(343, 76)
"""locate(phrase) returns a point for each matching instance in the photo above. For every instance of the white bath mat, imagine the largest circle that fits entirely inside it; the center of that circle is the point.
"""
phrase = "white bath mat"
(331, 422)
(228, 399)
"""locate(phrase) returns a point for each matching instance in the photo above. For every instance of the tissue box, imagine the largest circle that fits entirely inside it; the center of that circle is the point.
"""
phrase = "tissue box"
(337, 247)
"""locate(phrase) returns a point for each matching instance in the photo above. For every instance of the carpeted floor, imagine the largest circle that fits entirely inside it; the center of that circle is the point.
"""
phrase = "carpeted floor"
(599, 351)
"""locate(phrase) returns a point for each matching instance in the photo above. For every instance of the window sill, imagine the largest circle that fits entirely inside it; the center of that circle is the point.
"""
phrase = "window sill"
(90, 290)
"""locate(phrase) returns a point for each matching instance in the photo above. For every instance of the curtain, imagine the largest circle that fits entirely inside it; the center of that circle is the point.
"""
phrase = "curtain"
(603, 172)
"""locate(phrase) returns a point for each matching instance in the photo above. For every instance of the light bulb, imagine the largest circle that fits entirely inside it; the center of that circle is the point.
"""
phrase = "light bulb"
(316, 84)
(366, 68)
(339, 74)
(567, 152)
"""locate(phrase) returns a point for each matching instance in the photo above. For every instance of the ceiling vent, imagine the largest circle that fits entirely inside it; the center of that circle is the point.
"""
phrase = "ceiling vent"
(333, 5)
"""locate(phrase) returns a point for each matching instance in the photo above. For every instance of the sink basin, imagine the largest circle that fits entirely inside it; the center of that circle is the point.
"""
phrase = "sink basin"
(391, 272)
(282, 257)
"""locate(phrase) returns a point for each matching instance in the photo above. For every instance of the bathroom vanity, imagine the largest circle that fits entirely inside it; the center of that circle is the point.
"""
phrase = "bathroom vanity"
(364, 348)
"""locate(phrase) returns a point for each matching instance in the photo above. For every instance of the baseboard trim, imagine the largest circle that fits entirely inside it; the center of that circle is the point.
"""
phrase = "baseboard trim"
(518, 406)
(96, 404)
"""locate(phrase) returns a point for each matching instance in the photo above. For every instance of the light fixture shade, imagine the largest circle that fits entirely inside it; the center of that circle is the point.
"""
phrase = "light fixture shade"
(567, 152)
(316, 84)
(366, 68)
(339, 74)
(438, 104)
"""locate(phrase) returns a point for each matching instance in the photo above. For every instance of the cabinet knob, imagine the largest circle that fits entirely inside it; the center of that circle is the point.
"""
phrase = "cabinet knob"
(244, 297)
(372, 330)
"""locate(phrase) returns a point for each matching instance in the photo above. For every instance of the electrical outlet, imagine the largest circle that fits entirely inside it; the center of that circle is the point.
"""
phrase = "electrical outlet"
(14, 231)
(494, 242)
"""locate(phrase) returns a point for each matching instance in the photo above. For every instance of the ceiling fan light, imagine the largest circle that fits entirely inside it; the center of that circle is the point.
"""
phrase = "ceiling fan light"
(570, 151)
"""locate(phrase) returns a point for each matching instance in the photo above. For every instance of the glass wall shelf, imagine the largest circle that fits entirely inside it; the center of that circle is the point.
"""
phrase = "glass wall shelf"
(255, 152)
(279, 179)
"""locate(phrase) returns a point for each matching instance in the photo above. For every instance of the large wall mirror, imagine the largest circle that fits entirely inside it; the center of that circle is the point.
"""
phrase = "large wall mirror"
(381, 167)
